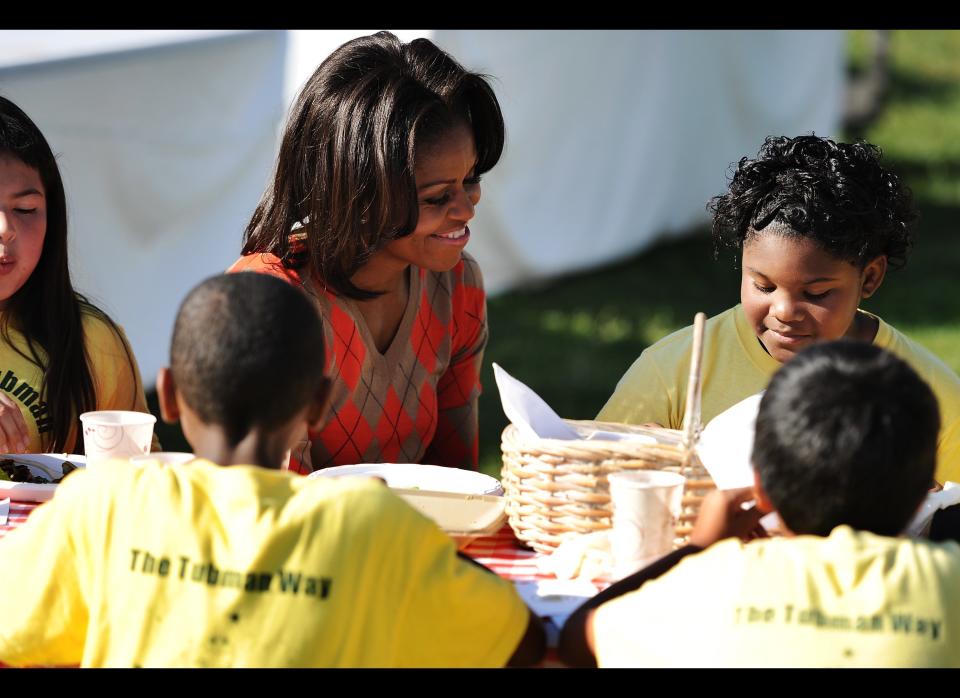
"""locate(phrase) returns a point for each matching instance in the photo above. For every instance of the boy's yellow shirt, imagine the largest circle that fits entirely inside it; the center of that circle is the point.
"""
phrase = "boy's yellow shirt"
(852, 599)
(196, 565)
(735, 366)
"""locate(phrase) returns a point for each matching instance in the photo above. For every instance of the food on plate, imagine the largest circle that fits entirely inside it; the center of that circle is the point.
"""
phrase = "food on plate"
(19, 471)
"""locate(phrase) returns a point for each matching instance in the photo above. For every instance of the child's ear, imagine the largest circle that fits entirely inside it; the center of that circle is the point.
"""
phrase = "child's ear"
(319, 407)
(873, 275)
(760, 496)
(167, 395)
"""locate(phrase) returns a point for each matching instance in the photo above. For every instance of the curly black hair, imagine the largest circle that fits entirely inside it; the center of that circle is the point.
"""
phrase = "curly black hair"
(836, 194)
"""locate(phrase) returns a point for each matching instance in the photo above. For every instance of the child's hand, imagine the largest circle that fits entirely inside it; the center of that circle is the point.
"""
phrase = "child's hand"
(722, 516)
(14, 437)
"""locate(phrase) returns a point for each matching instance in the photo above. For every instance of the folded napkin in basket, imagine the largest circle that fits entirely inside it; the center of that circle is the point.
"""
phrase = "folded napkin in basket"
(534, 418)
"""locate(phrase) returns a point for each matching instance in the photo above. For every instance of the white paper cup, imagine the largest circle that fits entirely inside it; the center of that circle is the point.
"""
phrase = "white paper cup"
(646, 507)
(116, 434)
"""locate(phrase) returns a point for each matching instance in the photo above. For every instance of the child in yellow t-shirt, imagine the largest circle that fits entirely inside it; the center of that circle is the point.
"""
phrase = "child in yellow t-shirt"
(227, 560)
(818, 224)
(60, 355)
(845, 448)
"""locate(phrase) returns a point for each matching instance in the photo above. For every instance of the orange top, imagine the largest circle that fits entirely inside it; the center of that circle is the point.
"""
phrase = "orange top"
(417, 401)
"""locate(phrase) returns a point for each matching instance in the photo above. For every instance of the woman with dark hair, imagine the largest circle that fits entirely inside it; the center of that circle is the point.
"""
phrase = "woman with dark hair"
(377, 177)
(61, 355)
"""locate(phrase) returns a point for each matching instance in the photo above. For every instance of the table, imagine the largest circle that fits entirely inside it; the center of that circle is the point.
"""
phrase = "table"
(19, 511)
(502, 553)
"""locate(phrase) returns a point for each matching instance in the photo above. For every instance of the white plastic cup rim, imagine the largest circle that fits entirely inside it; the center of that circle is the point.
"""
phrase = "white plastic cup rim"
(117, 418)
(645, 479)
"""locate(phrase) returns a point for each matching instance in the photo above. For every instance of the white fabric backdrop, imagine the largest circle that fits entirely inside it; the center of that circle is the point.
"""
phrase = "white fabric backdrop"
(618, 139)
(164, 152)
(614, 140)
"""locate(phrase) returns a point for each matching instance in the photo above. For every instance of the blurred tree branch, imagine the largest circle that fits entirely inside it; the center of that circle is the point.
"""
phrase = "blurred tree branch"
(867, 91)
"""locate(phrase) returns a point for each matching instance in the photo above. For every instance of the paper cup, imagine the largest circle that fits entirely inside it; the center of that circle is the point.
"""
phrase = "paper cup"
(646, 507)
(116, 434)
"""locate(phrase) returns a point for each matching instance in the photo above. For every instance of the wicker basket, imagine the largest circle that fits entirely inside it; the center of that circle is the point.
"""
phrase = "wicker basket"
(558, 489)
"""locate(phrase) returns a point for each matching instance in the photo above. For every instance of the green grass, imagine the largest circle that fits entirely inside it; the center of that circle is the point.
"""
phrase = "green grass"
(573, 339)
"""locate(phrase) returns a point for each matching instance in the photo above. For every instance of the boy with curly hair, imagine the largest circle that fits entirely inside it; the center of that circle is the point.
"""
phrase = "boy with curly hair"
(817, 224)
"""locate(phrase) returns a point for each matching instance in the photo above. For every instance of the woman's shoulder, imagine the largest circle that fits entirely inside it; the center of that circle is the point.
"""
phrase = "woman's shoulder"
(469, 272)
(465, 274)
(469, 299)
(265, 263)
(460, 288)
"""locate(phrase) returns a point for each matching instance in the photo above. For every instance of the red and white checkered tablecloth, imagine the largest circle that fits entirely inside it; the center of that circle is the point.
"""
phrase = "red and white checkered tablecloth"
(504, 554)
(19, 511)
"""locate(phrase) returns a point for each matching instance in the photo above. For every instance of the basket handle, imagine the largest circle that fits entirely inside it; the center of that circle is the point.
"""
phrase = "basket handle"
(691, 415)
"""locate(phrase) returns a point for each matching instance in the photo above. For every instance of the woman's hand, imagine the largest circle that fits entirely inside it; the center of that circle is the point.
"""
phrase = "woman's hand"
(14, 437)
(722, 516)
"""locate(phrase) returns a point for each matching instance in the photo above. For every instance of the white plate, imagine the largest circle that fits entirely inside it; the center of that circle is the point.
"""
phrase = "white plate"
(410, 476)
(463, 503)
(49, 465)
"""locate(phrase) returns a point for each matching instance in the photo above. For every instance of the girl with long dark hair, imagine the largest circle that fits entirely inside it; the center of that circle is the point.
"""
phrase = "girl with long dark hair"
(60, 355)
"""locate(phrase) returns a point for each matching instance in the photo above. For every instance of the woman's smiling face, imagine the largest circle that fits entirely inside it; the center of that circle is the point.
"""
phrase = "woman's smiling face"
(448, 190)
(795, 293)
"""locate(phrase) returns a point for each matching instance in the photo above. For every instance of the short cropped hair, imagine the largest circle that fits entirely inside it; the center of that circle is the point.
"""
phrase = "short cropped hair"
(846, 433)
(247, 350)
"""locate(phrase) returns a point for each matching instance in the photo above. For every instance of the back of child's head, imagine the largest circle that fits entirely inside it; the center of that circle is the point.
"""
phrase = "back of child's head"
(836, 194)
(247, 351)
(846, 434)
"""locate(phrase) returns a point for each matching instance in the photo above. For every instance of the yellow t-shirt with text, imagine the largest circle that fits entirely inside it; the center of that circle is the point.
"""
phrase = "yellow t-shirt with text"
(197, 565)
(853, 599)
(114, 371)
(735, 366)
